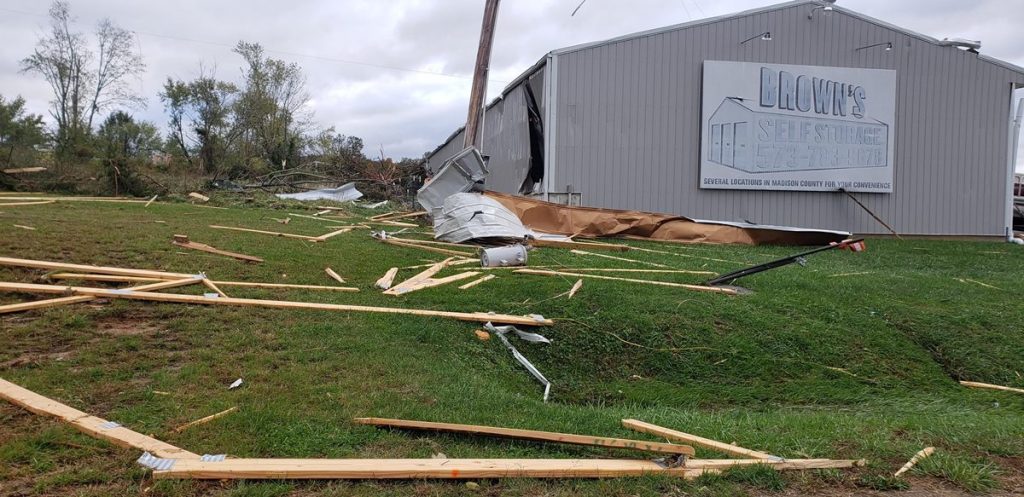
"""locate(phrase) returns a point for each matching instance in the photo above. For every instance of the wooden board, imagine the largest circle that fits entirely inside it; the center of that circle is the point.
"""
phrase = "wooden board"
(430, 283)
(206, 419)
(247, 284)
(422, 275)
(22, 170)
(337, 277)
(699, 288)
(540, 242)
(11, 261)
(333, 234)
(479, 317)
(436, 250)
(273, 233)
(612, 257)
(417, 469)
(90, 425)
(679, 436)
(975, 384)
(476, 282)
(14, 204)
(385, 281)
(541, 436)
(40, 304)
(186, 243)
(575, 288)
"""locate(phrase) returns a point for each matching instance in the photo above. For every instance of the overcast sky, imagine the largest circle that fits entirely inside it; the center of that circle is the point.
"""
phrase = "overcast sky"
(397, 72)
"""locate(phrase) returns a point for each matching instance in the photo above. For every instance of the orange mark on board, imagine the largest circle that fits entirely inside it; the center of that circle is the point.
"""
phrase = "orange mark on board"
(455, 473)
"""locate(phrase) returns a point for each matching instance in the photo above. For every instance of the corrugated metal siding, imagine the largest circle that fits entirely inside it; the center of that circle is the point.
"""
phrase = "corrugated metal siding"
(628, 125)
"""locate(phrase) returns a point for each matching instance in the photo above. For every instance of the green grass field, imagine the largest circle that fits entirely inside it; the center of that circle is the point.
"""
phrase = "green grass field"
(811, 364)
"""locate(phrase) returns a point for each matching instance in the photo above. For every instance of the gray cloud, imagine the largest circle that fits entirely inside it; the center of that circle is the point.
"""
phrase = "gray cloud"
(410, 111)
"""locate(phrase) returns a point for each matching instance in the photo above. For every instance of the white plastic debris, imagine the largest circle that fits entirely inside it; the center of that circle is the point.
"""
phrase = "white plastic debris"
(342, 193)
(529, 337)
(235, 384)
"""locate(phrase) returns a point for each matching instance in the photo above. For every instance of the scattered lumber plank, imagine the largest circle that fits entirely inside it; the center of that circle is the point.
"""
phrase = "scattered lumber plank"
(423, 275)
(91, 425)
(207, 419)
(921, 454)
(575, 287)
(317, 218)
(652, 251)
(652, 271)
(541, 242)
(23, 170)
(424, 247)
(213, 286)
(975, 384)
(603, 256)
(329, 208)
(11, 261)
(183, 241)
(199, 196)
(479, 317)
(385, 281)
(79, 199)
(416, 469)
(431, 282)
(397, 216)
(151, 200)
(333, 234)
(40, 304)
(330, 272)
(249, 284)
(274, 233)
(699, 288)
(541, 436)
(393, 223)
(24, 227)
(15, 204)
(679, 436)
(432, 242)
(476, 282)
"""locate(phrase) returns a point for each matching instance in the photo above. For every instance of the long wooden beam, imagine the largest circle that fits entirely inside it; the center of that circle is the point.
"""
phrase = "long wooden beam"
(91, 425)
(540, 436)
(541, 242)
(273, 233)
(15, 204)
(40, 304)
(480, 317)
(679, 436)
(699, 288)
(975, 384)
(436, 250)
(11, 261)
(248, 284)
(468, 468)
(614, 258)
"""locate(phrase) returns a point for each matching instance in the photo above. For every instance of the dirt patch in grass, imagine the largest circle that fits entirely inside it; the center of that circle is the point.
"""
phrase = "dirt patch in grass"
(32, 358)
(127, 327)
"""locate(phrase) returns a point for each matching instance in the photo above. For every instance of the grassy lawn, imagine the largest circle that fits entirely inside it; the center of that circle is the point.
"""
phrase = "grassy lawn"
(809, 365)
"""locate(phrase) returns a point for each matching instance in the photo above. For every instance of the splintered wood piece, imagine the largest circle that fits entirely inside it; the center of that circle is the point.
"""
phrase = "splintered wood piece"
(418, 469)
(436, 250)
(330, 272)
(398, 216)
(425, 274)
(575, 287)
(542, 436)
(679, 436)
(183, 241)
(213, 286)
(431, 282)
(10, 261)
(476, 282)
(385, 281)
(923, 453)
(207, 419)
(22, 226)
(22, 170)
(699, 288)
(248, 284)
(40, 304)
(603, 256)
(479, 317)
(541, 242)
(91, 425)
(14, 204)
(274, 233)
(620, 270)
(199, 196)
(990, 386)
(333, 234)
(151, 200)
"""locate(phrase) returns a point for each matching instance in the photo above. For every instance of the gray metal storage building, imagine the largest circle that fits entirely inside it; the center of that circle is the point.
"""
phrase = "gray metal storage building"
(622, 124)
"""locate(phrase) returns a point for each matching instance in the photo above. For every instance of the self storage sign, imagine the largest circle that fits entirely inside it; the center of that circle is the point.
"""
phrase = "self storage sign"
(785, 127)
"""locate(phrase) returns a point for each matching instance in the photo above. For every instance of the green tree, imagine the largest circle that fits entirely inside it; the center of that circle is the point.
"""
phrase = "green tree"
(125, 145)
(84, 83)
(20, 133)
(201, 119)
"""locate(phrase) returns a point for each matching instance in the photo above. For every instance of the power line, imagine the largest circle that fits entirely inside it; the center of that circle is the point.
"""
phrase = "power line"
(283, 52)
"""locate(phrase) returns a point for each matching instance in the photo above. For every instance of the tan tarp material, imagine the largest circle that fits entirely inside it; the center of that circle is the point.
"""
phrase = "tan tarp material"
(592, 222)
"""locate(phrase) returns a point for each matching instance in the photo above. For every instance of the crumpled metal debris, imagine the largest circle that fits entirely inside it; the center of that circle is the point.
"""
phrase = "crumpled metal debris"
(462, 173)
(501, 331)
(342, 193)
(471, 216)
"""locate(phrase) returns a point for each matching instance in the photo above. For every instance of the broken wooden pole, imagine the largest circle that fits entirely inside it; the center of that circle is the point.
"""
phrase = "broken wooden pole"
(385, 281)
(11, 261)
(699, 288)
(207, 419)
(476, 282)
(248, 284)
(679, 436)
(923, 453)
(479, 317)
(975, 384)
(534, 435)
(273, 233)
(183, 241)
(612, 257)
(330, 272)
(40, 304)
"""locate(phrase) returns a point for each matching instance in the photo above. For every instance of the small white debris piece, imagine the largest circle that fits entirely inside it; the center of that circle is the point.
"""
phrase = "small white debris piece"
(235, 384)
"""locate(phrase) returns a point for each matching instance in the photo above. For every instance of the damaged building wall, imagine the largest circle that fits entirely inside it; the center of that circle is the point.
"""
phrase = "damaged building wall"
(505, 138)
(628, 132)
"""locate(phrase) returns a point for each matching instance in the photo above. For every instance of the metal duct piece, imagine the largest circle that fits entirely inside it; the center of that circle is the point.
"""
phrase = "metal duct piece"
(472, 216)
(458, 174)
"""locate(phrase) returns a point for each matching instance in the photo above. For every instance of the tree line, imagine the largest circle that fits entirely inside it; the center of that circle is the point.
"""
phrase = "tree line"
(246, 130)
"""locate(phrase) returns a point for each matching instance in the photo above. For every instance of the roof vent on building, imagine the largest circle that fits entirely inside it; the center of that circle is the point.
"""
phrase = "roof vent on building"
(972, 45)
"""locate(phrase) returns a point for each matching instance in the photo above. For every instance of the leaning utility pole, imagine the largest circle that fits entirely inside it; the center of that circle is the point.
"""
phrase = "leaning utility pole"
(483, 62)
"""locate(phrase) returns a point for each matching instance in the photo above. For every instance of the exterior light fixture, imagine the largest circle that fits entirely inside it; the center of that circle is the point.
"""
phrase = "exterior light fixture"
(766, 36)
(826, 10)
(886, 44)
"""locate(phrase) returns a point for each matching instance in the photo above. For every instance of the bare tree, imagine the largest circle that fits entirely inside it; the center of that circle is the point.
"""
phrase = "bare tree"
(80, 88)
